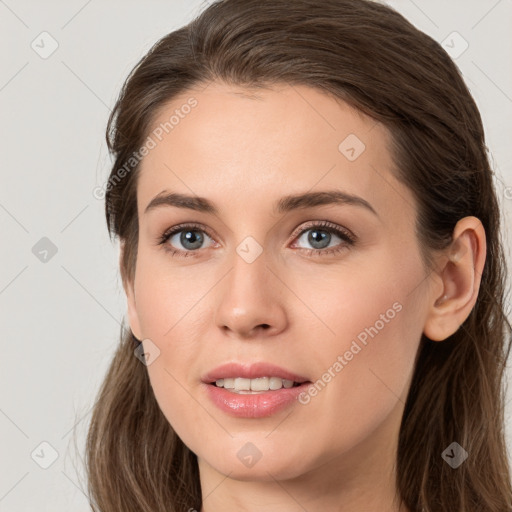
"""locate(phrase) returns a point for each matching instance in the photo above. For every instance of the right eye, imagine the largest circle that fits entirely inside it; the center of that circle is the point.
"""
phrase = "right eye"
(190, 236)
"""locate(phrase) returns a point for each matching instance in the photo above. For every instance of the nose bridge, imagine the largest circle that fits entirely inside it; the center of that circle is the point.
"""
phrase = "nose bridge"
(250, 295)
(249, 276)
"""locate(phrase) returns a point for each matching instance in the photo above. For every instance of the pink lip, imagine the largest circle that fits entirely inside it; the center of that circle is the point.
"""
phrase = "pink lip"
(250, 371)
(256, 405)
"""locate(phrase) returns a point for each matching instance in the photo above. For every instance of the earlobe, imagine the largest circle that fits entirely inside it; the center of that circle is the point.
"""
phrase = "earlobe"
(460, 272)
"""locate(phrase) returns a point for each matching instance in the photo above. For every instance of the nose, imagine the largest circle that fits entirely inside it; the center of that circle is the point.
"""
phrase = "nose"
(251, 300)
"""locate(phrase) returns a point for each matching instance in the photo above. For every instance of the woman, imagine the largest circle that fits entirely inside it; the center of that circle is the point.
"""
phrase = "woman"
(310, 252)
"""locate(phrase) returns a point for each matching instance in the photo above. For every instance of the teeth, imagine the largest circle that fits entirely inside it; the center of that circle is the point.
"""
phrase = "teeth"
(259, 384)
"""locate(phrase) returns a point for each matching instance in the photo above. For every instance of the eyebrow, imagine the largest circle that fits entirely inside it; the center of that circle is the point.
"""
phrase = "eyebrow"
(283, 205)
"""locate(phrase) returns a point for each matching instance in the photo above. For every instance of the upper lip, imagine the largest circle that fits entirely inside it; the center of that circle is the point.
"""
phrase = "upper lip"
(250, 371)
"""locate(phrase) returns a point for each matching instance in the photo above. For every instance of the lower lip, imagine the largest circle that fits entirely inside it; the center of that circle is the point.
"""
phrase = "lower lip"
(257, 405)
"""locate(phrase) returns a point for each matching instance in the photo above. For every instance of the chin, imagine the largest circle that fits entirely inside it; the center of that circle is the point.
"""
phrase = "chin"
(269, 470)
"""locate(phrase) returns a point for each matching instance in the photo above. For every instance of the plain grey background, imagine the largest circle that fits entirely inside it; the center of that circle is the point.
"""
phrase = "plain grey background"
(60, 318)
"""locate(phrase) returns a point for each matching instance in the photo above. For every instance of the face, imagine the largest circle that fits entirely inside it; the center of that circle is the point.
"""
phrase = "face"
(330, 289)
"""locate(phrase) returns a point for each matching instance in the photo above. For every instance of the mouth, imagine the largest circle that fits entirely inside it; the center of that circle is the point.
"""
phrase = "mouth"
(256, 397)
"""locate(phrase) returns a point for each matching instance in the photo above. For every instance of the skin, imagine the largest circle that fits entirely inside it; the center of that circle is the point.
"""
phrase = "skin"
(243, 150)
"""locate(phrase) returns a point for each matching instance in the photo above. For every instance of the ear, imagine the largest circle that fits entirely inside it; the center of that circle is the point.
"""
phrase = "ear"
(460, 272)
(129, 289)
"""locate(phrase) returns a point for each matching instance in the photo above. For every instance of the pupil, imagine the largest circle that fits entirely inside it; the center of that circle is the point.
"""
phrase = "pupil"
(190, 237)
(313, 238)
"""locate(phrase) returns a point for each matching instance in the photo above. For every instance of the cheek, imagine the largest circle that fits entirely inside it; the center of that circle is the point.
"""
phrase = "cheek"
(369, 327)
(361, 302)
(166, 294)
(372, 376)
(169, 306)
(377, 333)
(171, 310)
(178, 403)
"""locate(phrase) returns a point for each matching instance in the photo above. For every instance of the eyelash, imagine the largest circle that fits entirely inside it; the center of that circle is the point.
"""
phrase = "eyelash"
(326, 226)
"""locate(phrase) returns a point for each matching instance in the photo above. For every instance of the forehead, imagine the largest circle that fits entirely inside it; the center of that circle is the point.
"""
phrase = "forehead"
(240, 147)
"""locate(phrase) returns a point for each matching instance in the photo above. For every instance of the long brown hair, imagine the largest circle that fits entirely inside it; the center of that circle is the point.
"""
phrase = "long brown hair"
(370, 56)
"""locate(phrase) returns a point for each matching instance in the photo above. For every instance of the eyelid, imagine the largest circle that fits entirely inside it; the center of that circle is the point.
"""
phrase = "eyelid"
(325, 224)
(180, 227)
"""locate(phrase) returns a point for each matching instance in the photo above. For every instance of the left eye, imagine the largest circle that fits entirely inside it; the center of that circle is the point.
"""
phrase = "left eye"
(320, 237)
